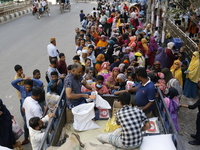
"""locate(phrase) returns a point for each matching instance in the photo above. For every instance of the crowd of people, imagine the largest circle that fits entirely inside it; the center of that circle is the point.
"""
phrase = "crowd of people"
(115, 54)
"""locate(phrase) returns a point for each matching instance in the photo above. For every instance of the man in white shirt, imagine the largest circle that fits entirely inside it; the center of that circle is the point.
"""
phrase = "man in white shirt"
(31, 107)
(52, 50)
(36, 135)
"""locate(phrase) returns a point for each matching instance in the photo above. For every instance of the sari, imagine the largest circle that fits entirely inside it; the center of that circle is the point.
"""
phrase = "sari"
(104, 71)
(111, 81)
(102, 43)
(99, 62)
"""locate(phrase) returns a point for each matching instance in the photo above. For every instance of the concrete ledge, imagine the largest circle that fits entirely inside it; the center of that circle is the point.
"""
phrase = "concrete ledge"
(14, 15)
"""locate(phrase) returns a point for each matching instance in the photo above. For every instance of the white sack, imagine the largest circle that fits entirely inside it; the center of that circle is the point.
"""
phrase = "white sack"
(100, 102)
(83, 115)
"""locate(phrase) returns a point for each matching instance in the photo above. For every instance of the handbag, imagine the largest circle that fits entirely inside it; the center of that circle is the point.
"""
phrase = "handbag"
(17, 130)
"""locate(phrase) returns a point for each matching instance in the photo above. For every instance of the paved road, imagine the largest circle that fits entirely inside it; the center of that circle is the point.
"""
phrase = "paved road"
(24, 40)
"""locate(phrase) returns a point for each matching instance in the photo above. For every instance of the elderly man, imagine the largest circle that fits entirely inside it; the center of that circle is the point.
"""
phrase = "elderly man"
(73, 83)
(52, 50)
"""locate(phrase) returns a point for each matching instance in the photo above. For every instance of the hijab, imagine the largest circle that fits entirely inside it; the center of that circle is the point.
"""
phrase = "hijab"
(5, 118)
(177, 71)
(111, 81)
(170, 45)
(167, 73)
(99, 57)
(194, 68)
(121, 76)
(162, 57)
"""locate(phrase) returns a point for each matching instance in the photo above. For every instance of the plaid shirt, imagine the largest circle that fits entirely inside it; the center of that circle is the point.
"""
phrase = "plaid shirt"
(132, 120)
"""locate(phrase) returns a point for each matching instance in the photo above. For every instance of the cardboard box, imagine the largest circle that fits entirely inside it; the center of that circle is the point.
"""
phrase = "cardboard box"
(69, 116)
(116, 107)
(104, 114)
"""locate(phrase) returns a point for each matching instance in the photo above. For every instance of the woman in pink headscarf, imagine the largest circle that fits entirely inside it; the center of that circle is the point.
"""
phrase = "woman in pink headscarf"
(132, 41)
(105, 67)
(112, 79)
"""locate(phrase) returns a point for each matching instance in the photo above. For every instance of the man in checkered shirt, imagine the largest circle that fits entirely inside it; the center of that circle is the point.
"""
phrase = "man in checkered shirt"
(132, 120)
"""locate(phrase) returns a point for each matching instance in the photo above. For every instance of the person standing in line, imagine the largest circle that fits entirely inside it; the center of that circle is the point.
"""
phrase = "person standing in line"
(7, 138)
(197, 135)
(52, 50)
(19, 74)
(25, 91)
(81, 15)
(62, 66)
(192, 76)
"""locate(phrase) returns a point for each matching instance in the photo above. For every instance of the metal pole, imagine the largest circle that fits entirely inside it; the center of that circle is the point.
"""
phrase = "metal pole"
(158, 14)
(148, 13)
(165, 22)
(152, 13)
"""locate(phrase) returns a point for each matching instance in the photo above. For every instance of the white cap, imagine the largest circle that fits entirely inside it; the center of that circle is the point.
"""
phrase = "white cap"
(100, 26)
(79, 52)
(84, 51)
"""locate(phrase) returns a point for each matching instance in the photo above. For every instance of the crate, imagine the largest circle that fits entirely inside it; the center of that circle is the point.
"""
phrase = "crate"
(177, 43)
(69, 116)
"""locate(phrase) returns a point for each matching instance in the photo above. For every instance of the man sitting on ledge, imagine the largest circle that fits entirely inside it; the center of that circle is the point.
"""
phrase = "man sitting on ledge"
(132, 120)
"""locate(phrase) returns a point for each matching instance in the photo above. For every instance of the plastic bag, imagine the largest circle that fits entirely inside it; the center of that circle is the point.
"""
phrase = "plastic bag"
(16, 129)
(83, 115)
(111, 124)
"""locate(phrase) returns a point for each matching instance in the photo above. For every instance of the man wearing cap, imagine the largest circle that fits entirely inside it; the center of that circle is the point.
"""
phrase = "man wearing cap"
(52, 50)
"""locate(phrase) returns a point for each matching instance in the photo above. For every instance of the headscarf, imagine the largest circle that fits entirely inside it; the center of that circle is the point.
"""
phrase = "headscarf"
(121, 76)
(132, 69)
(5, 118)
(99, 57)
(105, 65)
(177, 72)
(170, 45)
(102, 43)
(153, 44)
(154, 69)
(133, 41)
(99, 62)
(111, 81)
(145, 46)
(162, 57)
(194, 68)
(168, 74)
(125, 59)
(104, 71)
(121, 67)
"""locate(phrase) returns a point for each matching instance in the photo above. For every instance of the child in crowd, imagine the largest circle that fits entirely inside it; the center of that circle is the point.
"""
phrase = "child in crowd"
(55, 79)
(19, 74)
(76, 59)
(52, 97)
(62, 66)
(172, 102)
(69, 68)
(99, 87)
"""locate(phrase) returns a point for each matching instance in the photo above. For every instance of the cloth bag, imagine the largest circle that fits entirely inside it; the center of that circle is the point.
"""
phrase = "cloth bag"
(83, 115)
(100, 102)
(16, 129)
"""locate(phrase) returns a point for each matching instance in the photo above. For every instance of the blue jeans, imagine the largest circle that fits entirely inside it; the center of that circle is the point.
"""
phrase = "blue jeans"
(26, 132)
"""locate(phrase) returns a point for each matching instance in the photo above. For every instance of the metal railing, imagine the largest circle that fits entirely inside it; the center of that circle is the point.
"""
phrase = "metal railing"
(55, 125)
(176, 32)
(167, 122)
(11, 7)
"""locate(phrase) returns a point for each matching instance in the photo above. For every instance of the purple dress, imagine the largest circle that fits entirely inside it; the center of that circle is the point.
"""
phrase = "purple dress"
(162, 57)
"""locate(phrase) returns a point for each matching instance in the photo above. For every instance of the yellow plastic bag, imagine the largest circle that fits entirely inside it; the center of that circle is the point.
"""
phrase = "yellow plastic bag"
(111, 124)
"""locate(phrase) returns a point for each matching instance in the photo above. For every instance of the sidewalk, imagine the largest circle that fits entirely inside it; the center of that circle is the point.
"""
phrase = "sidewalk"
(15, 15)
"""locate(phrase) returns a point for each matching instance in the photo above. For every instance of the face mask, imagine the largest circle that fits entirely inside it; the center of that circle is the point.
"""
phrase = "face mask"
(98, 86)
(89, 81)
